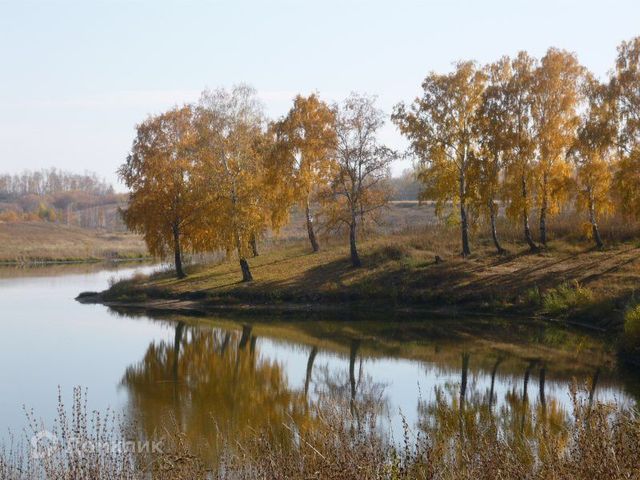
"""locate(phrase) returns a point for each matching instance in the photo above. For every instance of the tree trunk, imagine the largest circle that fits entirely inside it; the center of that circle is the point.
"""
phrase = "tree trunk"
(177, 253)
(176, 348)
(527, 374)
(355, 258)
(244, 265)
(307, 378)
(254, 245)
(246, 271)
(246, 336)
(353, 353)
(594, 384)
(594, 224)
(312, 235)
(543, 211)
(494, 229)
(464, 222)
(543, 374)
(494, 371)
(463, 378)
(225, 343)
(525, 218)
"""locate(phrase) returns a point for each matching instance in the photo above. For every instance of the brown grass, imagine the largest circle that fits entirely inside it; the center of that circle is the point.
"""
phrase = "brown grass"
(33, 242)
(400, 269)
(455, 440)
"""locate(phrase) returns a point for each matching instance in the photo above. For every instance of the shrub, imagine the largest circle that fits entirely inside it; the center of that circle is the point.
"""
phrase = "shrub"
(566, 298)
(532, 296)
(632, 326)
(394, 252)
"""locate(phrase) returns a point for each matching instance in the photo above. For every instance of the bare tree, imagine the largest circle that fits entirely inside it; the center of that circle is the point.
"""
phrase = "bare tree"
(360, 186)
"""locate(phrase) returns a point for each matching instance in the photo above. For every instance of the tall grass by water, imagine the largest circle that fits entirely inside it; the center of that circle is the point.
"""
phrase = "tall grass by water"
(458, 437)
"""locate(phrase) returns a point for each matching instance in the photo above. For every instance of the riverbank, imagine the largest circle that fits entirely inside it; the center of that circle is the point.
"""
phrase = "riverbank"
(43, 243)
(566, 282)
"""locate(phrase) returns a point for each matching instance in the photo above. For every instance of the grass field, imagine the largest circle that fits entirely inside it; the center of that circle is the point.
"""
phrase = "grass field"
(568, 280)
(40, 242)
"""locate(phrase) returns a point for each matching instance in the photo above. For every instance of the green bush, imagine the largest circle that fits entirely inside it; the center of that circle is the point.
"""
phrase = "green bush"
(532, 296)
(632, 326)
(566, 297)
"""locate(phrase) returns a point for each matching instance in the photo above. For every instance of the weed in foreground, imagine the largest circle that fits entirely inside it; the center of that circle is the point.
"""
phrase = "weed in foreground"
(455, 439)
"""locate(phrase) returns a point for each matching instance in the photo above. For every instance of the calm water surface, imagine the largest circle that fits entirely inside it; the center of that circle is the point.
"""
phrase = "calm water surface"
(231, 373)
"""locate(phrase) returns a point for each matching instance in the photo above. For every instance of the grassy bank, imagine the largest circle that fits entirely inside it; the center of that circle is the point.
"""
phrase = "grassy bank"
(43, 242)
(567, 281)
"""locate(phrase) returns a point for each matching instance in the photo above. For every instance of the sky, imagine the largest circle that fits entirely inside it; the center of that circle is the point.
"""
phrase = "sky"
(77, 76)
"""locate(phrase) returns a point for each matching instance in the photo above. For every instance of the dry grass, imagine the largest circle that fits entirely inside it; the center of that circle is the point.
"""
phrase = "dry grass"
(456, 439)
(400, 269)
(32, 242)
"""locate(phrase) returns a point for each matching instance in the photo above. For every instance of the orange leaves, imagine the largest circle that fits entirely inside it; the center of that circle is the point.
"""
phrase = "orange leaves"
(303, 158)
(158, 173)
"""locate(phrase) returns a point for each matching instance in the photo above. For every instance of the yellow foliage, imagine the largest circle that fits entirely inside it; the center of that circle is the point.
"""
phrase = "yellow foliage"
(230, 172)
(9, 216)
(304, 159)
(518, 188)
(163, 205)
(554, 112)
(626, 91)
(440, 128)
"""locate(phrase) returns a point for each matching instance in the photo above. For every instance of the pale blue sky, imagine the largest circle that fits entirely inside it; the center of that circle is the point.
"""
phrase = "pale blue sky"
(76, 76)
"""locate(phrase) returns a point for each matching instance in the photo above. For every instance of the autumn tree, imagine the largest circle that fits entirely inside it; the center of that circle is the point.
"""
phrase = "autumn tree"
(359, 188)
(518, 126)
(440, 128)
(163, 205)
(230, 172)
(593, 153)
(626, 89)
(304, 160)
(493, 142)
(556, 95)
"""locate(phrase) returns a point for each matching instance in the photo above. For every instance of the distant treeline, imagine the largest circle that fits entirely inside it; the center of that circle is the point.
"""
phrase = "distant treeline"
(406, 187)
(51, 181)
(57, 196)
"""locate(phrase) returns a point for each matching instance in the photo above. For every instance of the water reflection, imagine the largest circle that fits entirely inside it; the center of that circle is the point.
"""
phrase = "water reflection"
(213, 384)
(222, 381)
(222, 378)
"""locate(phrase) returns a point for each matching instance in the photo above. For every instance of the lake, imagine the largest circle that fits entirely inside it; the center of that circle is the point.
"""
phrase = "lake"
(236, 373)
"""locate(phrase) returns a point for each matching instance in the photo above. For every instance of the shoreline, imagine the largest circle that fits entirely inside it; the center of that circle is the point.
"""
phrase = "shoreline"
(81, 261)
(565, 285)
(198, 307)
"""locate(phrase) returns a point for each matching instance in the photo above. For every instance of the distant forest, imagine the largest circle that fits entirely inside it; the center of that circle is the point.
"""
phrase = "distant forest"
(88, 201)
(52, 195)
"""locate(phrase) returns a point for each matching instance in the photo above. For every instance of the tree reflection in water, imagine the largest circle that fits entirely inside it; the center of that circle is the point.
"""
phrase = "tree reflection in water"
(463, 417)
(214, 387)
(221, 390)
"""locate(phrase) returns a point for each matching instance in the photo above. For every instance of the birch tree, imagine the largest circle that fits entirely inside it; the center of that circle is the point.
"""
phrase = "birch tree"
(556, 94)
(440, 129)
(626, 90)
(359, 188)
(518, 125)
(493, 142)
(163, 204)
(304, 162)
(593, 154)
(231, 171)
